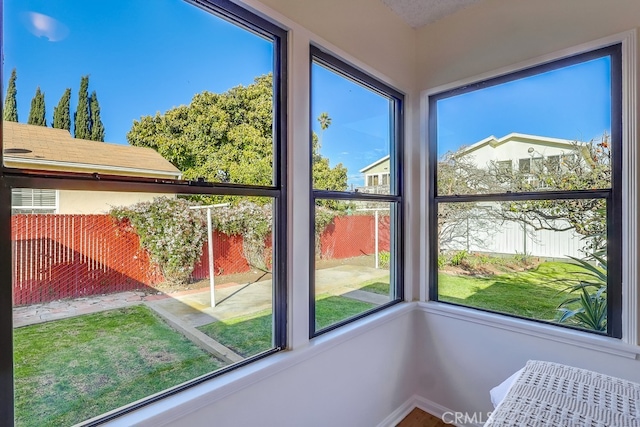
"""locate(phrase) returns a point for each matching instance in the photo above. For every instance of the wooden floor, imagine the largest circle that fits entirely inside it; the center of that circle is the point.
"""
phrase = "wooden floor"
(419, 418)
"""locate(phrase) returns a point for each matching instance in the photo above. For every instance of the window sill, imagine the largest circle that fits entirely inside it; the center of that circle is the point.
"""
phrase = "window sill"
(538, 330)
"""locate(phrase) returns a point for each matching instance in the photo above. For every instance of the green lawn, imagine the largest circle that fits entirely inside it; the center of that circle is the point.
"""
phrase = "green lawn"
(251, 334)
(70, 370)
(533, 293)
(377, 286)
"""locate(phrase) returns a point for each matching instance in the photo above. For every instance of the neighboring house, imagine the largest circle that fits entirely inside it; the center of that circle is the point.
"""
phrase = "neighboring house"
(48, 149)
(526, 154)
(518, 151)
(376, 177)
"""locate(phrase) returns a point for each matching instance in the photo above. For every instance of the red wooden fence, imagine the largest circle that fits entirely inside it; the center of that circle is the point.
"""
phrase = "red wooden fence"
(70, 256)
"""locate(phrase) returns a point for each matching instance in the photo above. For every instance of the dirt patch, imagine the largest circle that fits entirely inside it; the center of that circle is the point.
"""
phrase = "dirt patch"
(153, 357)
(474, 267)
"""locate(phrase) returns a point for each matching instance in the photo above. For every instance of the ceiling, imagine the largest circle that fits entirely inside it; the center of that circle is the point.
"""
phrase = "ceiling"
(422, 12)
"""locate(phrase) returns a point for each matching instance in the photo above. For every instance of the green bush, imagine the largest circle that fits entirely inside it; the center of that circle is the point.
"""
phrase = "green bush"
(172, 233)
(384, 259)
(458, 257)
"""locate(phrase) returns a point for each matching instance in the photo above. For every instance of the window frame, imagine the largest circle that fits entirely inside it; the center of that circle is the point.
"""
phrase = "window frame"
(33, 207)
(396, 186)
(613, 195)
(26, 178)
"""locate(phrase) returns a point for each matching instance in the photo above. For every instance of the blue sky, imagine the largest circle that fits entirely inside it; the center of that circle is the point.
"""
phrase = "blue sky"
(571, 103)
(147, 56)
(141, 56)
(359, 130)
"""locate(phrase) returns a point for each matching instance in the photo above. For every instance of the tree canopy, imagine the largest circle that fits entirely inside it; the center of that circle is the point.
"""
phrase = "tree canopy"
(81, 118)
(37, 112)
(97, 128)
(226, 137)
(10, 102)
(62, 112)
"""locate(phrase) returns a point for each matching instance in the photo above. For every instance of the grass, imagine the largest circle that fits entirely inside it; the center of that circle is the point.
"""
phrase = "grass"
(535, 293)
(70, 370)
(246, 335)
(377, 286)
(251, 334)
(333, 309)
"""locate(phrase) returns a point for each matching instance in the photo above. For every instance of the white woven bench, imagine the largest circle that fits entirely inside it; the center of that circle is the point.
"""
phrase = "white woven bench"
(551, 394)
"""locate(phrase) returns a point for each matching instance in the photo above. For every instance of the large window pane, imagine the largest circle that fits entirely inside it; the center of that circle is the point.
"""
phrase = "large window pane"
(548, 131)
(355, 258)
(526, 181)
(532, 259)
(128, 288)
(352, 136)
(112, 307)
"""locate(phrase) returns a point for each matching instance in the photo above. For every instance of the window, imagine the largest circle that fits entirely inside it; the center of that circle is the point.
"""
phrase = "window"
(32, 200)
(524, 165)
(543, 242)
(196, 232)
(504, 166)
(356, 248)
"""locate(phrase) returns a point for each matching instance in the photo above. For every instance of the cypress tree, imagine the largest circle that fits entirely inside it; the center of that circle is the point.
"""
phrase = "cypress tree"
(81, 118)
(10, 102)
(62, 112)
(97, 128)
(37, 111)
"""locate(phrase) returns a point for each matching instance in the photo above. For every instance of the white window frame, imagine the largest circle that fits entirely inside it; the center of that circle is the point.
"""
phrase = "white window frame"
(55, 207)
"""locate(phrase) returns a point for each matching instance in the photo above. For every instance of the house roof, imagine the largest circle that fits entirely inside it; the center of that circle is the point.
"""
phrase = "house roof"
(44, 148)
(376, 163)
(530, 139)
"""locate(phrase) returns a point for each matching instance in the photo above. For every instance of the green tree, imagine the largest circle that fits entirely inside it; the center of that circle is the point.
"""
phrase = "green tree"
(62, 112)
(225, 137)
(10, 101)
(97, 128)
(82, 118)
(37, 112)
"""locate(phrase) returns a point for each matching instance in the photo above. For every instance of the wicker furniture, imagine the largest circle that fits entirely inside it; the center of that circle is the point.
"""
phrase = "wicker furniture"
(551, 394)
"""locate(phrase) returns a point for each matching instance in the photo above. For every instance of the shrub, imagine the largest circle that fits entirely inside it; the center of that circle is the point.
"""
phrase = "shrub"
(384, 259)
(172, 233)
(459, 257)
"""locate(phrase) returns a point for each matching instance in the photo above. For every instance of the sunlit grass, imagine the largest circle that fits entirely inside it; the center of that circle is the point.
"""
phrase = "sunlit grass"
(73, 369)
(252, 334)
(377, 286)
(535, 293)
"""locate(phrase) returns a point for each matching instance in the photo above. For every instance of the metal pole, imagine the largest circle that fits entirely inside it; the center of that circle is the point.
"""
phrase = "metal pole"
(210, 244)
(376, 249)
(211, 267)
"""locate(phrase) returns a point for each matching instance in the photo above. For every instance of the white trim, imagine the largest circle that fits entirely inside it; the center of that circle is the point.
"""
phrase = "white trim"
(630, 253)
(544, 331)
(425, 405)
(89, 167)
(630, 206)
(377, 162)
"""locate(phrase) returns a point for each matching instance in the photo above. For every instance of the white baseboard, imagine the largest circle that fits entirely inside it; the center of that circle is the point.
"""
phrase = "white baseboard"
(426, 405)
